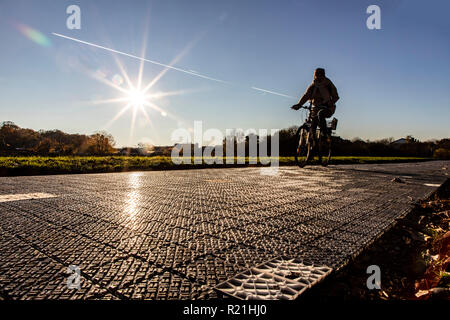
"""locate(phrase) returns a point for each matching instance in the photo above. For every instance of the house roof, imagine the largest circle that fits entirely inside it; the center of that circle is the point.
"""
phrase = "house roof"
(399, 141)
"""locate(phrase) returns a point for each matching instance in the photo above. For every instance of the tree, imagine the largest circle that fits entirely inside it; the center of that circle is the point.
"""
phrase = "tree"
(8, 134)
(101, 143)
(44, 147)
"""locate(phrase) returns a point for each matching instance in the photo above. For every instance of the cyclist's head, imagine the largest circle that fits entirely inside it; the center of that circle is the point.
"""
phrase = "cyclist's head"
(319, 74)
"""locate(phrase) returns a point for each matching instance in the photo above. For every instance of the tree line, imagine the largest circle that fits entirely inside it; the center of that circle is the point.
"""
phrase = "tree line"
(407, 147)
(19, 141)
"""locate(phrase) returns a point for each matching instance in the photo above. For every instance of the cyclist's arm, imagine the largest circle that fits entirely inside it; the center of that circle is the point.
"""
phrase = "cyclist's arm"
(306, 96)
(334, 94)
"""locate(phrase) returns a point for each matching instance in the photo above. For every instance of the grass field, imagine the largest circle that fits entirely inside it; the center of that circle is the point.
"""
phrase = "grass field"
(11, 166)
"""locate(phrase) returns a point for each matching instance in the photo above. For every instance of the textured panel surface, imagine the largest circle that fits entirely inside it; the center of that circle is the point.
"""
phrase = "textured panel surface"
(179, 234)
(283, 278)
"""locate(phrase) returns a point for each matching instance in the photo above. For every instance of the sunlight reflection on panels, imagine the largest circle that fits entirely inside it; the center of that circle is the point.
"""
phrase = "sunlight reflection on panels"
(26, 196)
(432, 185)
(133, 197)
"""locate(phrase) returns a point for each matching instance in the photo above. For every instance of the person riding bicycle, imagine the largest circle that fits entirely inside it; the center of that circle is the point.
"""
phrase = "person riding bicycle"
(323, 95)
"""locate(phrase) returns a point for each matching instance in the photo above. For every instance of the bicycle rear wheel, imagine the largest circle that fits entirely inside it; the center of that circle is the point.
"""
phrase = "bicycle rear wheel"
(303, 151)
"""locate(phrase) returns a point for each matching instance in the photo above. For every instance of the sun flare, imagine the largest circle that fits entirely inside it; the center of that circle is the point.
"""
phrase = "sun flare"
(137, 98)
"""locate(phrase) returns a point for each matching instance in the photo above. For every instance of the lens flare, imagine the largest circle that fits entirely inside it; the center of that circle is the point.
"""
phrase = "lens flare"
(34, 35)
(117, 80)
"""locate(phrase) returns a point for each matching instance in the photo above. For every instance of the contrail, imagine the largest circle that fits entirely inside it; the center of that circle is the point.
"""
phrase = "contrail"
(136, 57)
(272, 92)
(160, 64)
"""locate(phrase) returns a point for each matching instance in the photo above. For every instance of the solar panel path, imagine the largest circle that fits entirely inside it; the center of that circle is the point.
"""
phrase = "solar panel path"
(197, 234)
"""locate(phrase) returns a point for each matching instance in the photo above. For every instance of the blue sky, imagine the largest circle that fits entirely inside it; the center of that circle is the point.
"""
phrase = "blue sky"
(392, 82)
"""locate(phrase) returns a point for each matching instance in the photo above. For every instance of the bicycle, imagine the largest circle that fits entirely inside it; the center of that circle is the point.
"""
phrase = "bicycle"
(308, 142)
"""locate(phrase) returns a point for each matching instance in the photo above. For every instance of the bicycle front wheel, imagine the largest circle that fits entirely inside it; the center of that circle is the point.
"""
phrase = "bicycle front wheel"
(302, 153)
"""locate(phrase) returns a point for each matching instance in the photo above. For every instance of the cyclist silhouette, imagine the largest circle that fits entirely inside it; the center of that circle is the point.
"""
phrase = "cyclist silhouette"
(323, 95)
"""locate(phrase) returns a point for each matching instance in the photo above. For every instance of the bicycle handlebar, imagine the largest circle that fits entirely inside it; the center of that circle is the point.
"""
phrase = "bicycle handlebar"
(310, 107)
(301, 107)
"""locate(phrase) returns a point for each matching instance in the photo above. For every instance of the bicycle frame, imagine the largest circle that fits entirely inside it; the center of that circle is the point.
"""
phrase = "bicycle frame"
(308, 122)
(307, 125)
(314, 141)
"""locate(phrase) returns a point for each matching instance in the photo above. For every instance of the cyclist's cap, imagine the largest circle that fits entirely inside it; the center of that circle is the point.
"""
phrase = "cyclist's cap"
(320, 71)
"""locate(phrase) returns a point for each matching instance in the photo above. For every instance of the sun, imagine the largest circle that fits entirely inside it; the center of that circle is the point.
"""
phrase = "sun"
(137, 98)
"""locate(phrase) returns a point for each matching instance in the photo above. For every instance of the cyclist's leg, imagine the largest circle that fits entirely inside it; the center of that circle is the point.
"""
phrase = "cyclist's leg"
(323, 114)
(314, 123)
(325, 135)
